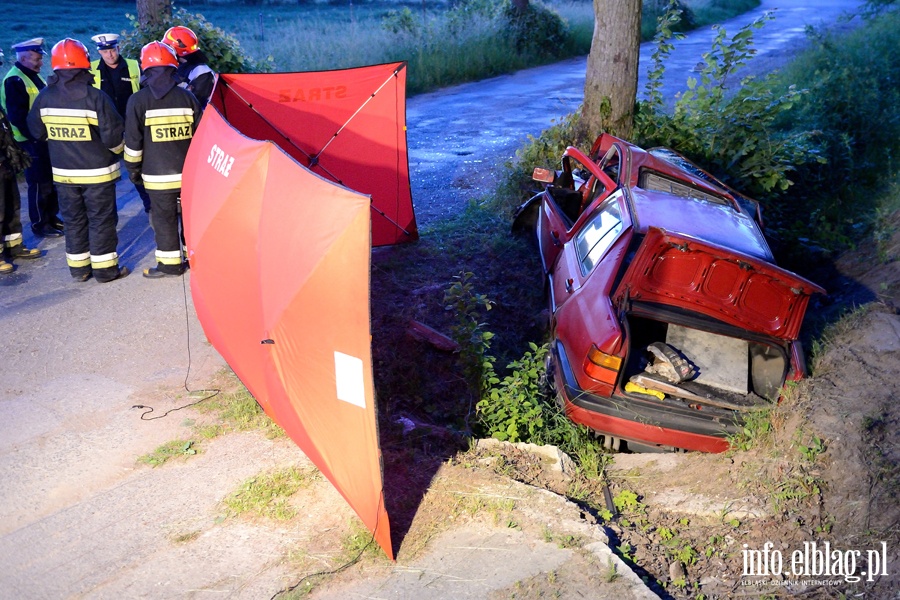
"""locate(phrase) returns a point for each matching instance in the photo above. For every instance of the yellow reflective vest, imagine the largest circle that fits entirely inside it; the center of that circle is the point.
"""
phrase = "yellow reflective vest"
(134, 73)
(32, 90)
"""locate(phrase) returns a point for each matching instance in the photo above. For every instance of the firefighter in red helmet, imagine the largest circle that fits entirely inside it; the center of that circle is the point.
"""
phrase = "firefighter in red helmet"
(194, 71)
(84, 134)
(160, 121)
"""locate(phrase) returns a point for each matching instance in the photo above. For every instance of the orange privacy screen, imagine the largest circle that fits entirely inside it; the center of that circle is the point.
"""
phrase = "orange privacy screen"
(348, 126)
(280, 255)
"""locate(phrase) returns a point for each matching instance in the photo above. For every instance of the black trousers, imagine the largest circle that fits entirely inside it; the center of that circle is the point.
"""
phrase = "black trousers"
(91, 238)
(10, 205)
(165, 219)
(43, 200)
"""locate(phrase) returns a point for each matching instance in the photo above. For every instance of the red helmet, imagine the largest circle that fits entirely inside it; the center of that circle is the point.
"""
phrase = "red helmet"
(69, 54)
(182, 39)
(157, 54)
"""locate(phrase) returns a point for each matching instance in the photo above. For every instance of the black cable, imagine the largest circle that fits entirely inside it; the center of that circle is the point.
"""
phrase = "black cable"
(211, 392)
(331, 572)
(343, 566)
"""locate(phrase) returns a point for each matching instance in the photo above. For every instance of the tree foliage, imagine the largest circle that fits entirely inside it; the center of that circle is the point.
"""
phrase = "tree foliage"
(222, 49)
(734, 133)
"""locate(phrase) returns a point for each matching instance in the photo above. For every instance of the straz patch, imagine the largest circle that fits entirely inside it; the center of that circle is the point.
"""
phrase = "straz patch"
(69, 133)
(170, 133)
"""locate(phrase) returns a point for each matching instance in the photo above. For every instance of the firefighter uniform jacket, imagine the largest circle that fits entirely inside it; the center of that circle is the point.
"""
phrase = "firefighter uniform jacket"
(82, 127)
(197, 77)
(158, 133)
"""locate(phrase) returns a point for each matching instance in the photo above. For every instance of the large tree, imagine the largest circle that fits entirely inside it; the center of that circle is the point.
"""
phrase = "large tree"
(154, 12)
(610, 87)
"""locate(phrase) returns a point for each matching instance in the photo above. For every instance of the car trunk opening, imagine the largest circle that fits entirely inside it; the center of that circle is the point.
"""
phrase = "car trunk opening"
(708, 368)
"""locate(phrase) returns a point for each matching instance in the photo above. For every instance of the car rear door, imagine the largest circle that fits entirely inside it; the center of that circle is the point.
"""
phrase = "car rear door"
(718, 282)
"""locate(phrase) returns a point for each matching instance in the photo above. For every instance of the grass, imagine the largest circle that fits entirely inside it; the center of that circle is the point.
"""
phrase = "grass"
(848, 321)
(267, 495)
(238, 411)
(184, 538)
(235, 410)
(168, 451)
(441, 49)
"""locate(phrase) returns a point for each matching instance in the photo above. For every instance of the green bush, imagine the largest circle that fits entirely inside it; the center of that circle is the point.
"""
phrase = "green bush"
(812, 142)
(854, 108)
(401, 21)
(512, 409)
(732, 134)
(222, 49)
(538, 30)
(653, 12)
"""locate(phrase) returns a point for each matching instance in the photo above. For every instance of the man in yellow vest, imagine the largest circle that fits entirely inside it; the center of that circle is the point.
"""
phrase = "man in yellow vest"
(119, 78)
(20, 87)
(116, 75)
(12, 160)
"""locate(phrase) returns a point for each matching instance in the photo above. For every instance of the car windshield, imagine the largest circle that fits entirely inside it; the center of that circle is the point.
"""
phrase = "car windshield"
(598, 234)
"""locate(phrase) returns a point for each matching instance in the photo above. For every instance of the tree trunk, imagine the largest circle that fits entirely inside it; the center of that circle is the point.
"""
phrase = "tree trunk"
(154, 12)
(610, 86)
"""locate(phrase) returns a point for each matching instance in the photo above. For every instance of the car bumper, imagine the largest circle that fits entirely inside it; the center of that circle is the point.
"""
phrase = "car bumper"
(647, 422)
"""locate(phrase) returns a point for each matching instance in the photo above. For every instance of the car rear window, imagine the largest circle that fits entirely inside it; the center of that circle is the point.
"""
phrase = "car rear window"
(650, 180)
(598, 234)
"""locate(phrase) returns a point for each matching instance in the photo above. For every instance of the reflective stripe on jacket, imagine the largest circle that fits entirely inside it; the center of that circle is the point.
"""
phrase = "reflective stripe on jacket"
(84, 134)
(158, 134)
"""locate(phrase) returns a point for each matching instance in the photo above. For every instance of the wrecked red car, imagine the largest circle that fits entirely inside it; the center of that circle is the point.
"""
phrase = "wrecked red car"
(670, 320)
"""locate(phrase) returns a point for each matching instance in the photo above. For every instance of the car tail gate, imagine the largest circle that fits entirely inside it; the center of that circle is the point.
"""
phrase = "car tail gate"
(723, 284)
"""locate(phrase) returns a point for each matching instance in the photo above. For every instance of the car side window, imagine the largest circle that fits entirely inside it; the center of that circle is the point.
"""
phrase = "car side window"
(598, 234)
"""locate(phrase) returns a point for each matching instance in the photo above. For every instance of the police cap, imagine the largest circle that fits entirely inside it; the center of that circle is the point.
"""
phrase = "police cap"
(105, 41)
(34, 44)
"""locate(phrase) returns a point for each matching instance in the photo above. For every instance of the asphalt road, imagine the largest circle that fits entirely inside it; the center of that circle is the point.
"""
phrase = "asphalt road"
(460, 137)
(78, 356)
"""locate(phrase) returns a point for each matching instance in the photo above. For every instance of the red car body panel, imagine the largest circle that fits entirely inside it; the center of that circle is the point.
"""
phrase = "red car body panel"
(646, 434)
(723, 284)
(683, 249)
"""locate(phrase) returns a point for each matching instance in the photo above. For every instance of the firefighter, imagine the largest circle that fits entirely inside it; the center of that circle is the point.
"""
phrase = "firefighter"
(21, 85)
(12, 160)
(159, 125)
(194, 71)
(119, 77)
(84, 133)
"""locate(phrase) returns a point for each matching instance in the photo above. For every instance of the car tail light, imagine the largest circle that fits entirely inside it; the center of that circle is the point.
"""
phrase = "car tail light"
(601, 366)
